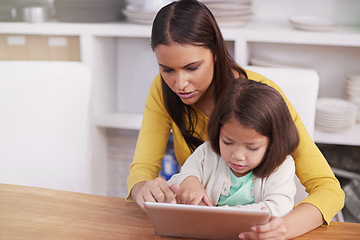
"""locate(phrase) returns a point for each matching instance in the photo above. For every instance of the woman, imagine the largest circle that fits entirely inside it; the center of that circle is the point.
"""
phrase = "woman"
(194, 66)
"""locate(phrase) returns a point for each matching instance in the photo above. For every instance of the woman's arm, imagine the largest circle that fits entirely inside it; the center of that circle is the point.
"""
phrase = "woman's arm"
(150, 147)
(302, 219)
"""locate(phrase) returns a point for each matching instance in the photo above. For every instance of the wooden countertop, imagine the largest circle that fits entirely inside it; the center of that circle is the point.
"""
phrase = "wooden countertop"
(37, 213)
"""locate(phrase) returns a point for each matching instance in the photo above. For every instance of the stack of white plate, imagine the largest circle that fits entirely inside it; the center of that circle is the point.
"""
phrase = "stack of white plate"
(312, 23)
(143, 12)
(139, 16)
(352, 90)
(230, 13)
(335, 115)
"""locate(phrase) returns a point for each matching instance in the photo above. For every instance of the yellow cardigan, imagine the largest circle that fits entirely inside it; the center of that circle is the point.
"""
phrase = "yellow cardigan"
(311, 167)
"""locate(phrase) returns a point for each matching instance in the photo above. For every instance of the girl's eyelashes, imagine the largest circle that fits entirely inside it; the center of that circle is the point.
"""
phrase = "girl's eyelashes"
(226, 142)
(253, 149)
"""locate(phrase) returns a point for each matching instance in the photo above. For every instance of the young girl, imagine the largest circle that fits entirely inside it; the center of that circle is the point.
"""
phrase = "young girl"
(246, 162)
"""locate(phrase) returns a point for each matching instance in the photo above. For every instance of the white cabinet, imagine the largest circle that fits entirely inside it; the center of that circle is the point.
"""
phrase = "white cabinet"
(123, 64)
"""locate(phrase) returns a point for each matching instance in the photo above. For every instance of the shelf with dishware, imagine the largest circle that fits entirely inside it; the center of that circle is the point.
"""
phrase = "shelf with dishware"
(239, 45)
(112, 57)
(336, 118)
(123, 65)
(350, 137)
(129, 121)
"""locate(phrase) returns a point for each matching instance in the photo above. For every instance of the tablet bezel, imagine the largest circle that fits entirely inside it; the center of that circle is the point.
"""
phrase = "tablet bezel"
(194, 221)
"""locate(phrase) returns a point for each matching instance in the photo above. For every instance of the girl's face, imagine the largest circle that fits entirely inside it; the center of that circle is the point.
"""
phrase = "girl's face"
(241, 148)
(187, 69)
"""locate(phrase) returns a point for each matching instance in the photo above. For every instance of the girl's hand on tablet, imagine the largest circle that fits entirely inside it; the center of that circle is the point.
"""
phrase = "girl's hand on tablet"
(192, 192)
(155, 190)
(274, 229)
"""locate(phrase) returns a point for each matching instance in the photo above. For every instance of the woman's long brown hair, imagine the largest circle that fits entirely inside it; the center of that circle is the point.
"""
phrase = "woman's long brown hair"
(191, 22)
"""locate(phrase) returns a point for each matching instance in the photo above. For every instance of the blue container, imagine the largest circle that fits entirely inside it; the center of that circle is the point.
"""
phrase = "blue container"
(169, 164)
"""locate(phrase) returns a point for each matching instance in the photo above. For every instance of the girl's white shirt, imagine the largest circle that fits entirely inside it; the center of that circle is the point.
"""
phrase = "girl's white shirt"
(275, 192)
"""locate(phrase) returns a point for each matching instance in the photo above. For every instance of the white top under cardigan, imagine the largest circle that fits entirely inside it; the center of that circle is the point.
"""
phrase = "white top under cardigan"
(276, 192)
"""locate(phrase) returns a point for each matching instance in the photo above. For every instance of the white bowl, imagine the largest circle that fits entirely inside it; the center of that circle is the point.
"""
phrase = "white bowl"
(311, 23)
(154, 5)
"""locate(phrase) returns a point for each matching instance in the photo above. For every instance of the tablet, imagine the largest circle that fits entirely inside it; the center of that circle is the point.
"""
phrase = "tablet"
(180, 220)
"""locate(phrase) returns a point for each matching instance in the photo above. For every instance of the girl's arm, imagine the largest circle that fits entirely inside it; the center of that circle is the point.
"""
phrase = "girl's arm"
(190, 179)
(190, 189)
(192, 192)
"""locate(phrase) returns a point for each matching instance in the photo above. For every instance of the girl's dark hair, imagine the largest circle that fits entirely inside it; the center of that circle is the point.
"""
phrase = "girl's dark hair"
(191, 22)
(260, 107)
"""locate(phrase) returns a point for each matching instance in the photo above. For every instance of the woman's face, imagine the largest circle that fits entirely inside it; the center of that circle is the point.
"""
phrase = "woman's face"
(187, 69)
(242, 148)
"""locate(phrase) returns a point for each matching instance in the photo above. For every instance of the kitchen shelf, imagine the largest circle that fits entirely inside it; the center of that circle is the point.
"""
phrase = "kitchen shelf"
(120, 120)
(283, 32)
(347, 174)
(133, 122)
(276, 32)
(254, 32)
(350, 137)
(115, 29)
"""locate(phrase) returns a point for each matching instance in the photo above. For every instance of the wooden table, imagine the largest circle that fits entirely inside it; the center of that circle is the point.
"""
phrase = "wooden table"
(36, 213)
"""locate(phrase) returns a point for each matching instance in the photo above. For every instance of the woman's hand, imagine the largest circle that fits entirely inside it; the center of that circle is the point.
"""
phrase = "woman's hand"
(192, 192)
(274, 229)
(155, 190)
(290, 226)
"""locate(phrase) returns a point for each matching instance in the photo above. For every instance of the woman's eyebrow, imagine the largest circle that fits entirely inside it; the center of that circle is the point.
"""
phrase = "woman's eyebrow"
(163, 66)
(187, 65)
